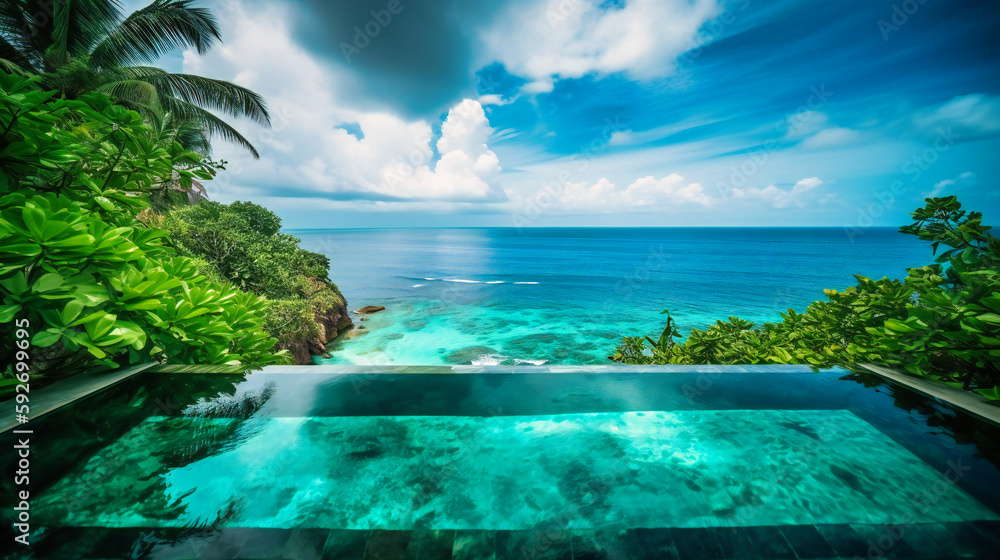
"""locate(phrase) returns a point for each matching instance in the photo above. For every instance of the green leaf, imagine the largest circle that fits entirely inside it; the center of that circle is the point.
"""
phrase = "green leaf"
(23, 249)
(898, 326)
(8, 312)
(47, 283)
(16, 284)
(71, 311)
(991, 318)
(45, 338)
(103, 202)
(100, 326)
(992, 393)
(53, 228)
(75, 241)
(34, 219)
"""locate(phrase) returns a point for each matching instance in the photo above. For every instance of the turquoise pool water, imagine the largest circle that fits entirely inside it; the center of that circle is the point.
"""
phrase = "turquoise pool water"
(487, 459)
(631, 469)
(500, 296)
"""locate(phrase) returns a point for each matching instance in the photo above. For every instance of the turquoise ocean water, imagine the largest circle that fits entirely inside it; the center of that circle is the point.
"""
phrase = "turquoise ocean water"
(497, 296)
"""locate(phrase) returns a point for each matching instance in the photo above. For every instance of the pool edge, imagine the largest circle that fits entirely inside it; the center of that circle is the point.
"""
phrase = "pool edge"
(966, 401)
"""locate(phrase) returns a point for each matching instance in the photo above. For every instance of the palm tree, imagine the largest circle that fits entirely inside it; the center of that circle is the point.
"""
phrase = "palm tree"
(80, 46)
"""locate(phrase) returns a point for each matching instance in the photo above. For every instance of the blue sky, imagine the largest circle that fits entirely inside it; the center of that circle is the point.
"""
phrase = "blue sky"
(410, 113)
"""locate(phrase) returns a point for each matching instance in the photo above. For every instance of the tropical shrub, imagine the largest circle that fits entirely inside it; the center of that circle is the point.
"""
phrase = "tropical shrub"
(943, 321)
(952, 331)
(242, 243)
(97, 287)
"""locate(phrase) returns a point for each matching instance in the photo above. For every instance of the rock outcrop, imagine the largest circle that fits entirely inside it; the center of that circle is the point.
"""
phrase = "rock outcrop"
(369, 309)
(332, 321)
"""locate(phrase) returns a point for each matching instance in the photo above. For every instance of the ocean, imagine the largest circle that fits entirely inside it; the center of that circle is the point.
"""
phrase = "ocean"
(499, 296)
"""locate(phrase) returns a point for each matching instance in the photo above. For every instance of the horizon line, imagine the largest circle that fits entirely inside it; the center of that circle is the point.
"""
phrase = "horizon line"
(588, 227)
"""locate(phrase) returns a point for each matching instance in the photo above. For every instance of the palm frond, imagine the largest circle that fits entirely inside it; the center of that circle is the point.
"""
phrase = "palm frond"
(193, 138)
(133, 91)
(13, 59)
(154, 30)
(208, 122)
(12, 68)
(219, 95)
(75, 25)
(16, 35)
(153, 114)
(208, 93)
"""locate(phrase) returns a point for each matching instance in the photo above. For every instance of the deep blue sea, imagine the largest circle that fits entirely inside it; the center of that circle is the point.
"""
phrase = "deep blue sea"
(567, 295)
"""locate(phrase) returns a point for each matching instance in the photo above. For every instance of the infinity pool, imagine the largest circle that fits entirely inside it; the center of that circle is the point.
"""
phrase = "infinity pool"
(591, 462)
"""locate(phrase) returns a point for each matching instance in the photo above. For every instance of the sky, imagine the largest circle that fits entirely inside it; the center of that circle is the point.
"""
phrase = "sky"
(535, 113)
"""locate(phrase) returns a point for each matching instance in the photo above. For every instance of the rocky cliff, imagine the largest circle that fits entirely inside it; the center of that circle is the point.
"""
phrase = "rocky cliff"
(331, 320)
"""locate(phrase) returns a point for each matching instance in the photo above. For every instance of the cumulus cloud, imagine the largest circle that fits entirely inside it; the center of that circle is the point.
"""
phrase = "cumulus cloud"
(310, 152)
(465, 164)
(573, 38)
(650, 194)
(603, 196)
(410, 57)
(329, 151)
(778, 197)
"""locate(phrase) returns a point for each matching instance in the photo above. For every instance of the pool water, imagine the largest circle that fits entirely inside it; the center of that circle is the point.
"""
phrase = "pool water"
(348, 462)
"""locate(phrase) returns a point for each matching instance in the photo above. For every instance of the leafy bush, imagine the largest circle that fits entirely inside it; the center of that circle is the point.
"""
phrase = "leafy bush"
(291, 321)
(952, 331)
(242, 243)
(97, 286)
(943, 321)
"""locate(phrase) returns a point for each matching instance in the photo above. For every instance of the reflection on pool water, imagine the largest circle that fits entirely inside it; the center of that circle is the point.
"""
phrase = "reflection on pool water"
(777, 454)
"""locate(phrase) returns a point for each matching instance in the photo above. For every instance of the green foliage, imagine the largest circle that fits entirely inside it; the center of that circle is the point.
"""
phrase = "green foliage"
(291, 321)
(943, 321)
(952, 331)
(242, 243)
(98, 287)
(82, 46)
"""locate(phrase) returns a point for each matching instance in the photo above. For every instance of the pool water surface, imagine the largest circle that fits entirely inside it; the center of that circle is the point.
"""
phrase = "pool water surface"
(692, 462)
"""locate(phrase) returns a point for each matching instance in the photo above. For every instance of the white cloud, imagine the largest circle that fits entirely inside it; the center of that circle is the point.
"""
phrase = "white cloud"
(493, 99)
(307, 152)
(805, 123)
(621, 138)
(778, 197)
(961, 180)
(396, 164)
(972, 115)
(463, 168)
(573, 38)
(650, 194)
(603, 196)
(831, 137)
(668, 190)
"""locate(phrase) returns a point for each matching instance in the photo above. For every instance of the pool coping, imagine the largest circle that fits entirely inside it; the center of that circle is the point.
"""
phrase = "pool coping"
(62, 393)
(966, 401)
